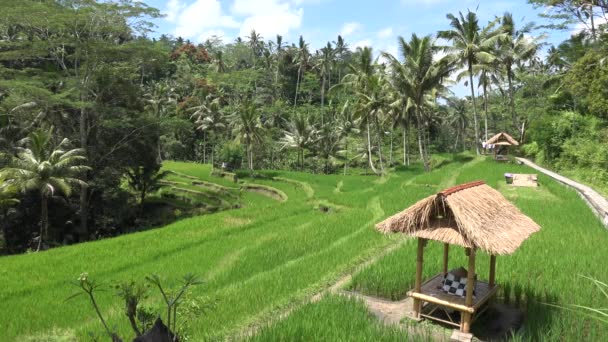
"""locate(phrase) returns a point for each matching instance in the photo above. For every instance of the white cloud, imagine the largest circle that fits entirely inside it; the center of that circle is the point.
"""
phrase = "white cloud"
(385, 33)
(199, 17)
(173, 9)
(349, 28)
(267, 17)
(362, 43)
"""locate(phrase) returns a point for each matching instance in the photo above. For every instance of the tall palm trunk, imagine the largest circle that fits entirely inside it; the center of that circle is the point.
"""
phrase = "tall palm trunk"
(346, 157)
(511, 98)
(390, 156)
(369, 150)
(379, 135)
(485, 104)
(474, 108)
(44, 221)
(421, 148)
(84, 206)
(295, 100)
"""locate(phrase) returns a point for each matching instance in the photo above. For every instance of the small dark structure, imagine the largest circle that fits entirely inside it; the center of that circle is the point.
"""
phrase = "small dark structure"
(158, 333)
(500, 145)
(473, 216)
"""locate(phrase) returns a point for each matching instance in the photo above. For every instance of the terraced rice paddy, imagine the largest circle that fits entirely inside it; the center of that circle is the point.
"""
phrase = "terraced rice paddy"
(269, 257)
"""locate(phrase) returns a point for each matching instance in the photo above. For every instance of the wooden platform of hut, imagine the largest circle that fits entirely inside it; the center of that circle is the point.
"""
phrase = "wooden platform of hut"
(474, 216)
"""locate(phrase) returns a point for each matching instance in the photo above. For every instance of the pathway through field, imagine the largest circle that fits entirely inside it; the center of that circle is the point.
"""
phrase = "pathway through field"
(597, 202)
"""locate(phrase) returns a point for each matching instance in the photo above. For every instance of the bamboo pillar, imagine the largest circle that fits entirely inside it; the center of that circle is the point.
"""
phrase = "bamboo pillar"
(446, 250)
(417, 287)
(466, 317)
(492, 270)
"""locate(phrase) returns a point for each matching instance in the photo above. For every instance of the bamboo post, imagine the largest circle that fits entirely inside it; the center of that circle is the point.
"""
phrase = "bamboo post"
(466, 317)
(417, 287)
(446, 250)
(492, 270)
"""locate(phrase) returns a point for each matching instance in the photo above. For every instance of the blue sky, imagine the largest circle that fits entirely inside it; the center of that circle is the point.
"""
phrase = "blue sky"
(375, 23)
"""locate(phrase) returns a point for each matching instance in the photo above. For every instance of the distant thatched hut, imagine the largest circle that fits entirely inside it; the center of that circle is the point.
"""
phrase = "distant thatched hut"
(474, 216)
(500, 145)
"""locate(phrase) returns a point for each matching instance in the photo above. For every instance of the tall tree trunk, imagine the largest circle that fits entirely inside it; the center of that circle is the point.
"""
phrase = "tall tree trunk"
(593, 35)
(421, 148)
(369, 149)
(404, 146)
(456, 141)
(379, 135)
(474, 108)
(44, 221)
(295, 100)
(512, 99)
(390, 156)
(485, 104)
(323, 101)
(346, 157)
(84, 206)
(323, 91)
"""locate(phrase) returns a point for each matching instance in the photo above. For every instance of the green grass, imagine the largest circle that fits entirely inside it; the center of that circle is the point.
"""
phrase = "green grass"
(334, 318)
(270, 255)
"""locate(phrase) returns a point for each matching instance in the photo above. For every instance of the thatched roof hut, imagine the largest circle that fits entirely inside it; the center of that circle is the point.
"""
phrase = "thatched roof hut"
(502, 138)
(471, 215)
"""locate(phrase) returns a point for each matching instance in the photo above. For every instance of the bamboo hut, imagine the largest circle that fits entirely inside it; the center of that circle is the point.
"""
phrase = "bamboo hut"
(474, 216)
(500, 145)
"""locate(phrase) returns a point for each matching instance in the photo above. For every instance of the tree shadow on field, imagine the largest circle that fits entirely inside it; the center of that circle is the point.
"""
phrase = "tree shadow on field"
(517, 311)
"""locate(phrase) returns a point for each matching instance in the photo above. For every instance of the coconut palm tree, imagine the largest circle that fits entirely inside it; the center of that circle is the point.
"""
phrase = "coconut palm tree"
(302, 58)
(362, 70)
(517, 48)
(471, 45)
(210, 119)
(218, 62)
(46, 169)
(347, 124)
(247, 128)
(298, 135)
(415, 77)
(326, 58)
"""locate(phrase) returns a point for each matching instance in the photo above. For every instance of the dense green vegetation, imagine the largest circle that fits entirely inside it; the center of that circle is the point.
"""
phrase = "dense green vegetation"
(270, 255)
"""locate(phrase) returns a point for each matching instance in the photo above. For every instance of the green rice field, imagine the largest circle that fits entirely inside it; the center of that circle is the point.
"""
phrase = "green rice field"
(270, 256)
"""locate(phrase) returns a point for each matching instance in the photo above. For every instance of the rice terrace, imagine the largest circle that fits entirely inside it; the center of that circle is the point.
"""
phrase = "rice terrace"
(195, 170)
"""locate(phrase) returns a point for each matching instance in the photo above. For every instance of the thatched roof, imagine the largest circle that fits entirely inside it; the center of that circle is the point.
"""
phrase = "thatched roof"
(469, 215)
(502, 138)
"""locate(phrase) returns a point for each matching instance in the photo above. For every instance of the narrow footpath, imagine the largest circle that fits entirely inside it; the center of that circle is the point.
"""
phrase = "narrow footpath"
(597, 202)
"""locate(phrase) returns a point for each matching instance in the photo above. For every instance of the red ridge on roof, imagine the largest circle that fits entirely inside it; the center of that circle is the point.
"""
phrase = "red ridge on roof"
(457, 188)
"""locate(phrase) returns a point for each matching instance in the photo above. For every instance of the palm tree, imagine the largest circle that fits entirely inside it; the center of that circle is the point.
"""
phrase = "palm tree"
(298, 135)
(471, 46)
(218, 62)
(46, 169)
(302, 58)
(346, 125)
(340, 49)
(159, 98)
(210, 118)
(324, 66)
(358, 80)
(458, 118)
(515, 49)
(247, 128)
(255, 44)
(415, 78)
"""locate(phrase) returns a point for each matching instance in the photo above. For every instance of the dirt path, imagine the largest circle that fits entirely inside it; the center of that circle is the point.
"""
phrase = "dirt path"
(597, 202)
